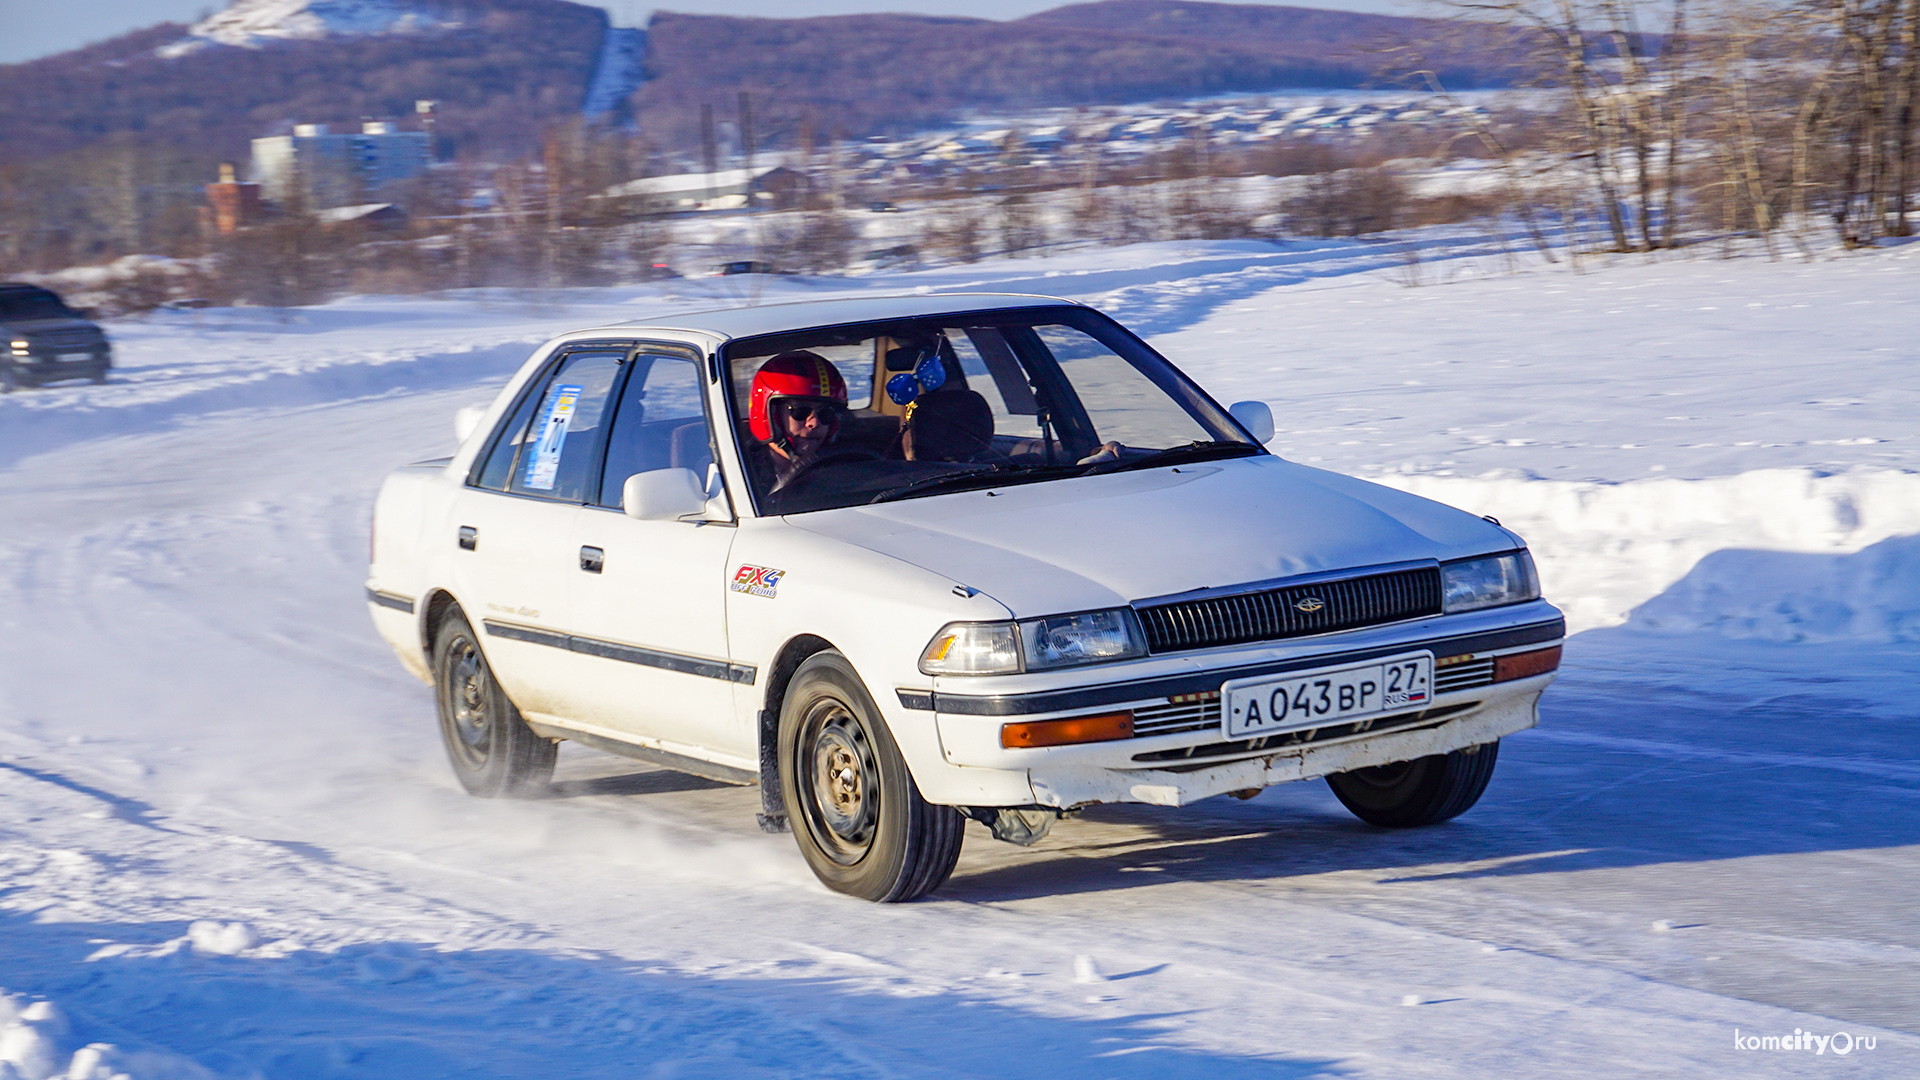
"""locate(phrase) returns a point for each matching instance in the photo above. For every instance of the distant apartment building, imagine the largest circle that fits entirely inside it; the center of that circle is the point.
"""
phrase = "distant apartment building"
(323, 170)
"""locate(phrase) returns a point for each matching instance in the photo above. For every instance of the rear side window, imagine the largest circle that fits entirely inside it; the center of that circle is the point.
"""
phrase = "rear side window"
(550, 445)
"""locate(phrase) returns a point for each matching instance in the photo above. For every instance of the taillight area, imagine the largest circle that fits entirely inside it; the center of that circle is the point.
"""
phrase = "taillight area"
(1526, 664)
(1074, 729)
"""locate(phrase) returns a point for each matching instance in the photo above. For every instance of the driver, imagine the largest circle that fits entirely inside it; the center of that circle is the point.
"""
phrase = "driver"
(794, 409)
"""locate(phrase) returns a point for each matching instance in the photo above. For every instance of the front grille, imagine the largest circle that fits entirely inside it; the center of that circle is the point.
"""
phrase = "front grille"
(66, 339)
(1276, 613)
(1463, 676)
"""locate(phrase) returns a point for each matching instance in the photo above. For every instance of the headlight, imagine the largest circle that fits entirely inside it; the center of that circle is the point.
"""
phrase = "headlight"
(1088, 638)
(1034, 645)
(1472, 584)
(21, 346)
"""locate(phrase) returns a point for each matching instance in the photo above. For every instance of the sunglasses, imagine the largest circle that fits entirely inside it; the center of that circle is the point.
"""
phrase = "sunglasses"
(802, 411)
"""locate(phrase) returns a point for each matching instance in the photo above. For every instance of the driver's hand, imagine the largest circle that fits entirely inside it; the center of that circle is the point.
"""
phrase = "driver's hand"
(1108, 452)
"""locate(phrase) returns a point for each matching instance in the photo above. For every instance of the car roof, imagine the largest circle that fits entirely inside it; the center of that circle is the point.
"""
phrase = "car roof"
(801, 315)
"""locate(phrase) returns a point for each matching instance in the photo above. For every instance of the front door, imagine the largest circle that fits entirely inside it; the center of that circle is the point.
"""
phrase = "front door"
(648, 611)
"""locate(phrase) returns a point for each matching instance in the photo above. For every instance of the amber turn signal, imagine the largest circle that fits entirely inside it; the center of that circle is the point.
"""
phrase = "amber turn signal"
(1076, 729)
(1521, 665)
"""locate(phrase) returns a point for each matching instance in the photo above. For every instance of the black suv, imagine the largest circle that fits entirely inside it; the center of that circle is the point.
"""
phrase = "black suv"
(47, 341)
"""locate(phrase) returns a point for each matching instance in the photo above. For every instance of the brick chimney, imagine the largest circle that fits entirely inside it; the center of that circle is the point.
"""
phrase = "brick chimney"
(235, 204)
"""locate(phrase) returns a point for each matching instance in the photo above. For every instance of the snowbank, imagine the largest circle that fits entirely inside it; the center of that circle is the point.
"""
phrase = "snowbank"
(34, 1038)
(1781, 554)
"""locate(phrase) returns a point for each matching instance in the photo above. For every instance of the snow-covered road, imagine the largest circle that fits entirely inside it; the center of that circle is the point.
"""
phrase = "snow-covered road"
(229, 845)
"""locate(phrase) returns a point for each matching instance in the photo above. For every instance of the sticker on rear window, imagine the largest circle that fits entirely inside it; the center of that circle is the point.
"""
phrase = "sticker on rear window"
(543, 465)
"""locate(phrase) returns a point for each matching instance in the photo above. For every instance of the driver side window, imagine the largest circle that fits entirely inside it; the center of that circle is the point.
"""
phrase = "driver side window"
(661, 424)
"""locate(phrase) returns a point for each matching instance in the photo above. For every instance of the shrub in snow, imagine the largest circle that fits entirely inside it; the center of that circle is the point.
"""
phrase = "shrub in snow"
(211, 938)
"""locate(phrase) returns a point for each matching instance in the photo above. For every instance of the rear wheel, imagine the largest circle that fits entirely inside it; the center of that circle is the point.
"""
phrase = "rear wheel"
(492, 750)
(1425, 791)
(855, 811)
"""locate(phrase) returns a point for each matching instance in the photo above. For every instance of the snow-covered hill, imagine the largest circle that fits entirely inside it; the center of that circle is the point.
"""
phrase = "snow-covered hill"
(253, 23)
(229, 846)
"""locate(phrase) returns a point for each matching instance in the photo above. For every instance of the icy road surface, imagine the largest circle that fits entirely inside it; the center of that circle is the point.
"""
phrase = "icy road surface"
(229, 845)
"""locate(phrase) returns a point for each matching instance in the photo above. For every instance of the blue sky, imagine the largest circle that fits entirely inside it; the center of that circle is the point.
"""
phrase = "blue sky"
(32, 28)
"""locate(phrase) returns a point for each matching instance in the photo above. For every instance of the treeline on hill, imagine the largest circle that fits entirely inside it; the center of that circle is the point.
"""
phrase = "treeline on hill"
(857, 75)
(1784, 124)
(1744, 118)
(514, 68)
(105, 150)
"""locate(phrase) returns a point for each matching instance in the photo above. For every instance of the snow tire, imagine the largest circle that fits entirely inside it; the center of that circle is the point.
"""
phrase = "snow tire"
(1426, 791)
(858, 817)
(493, 751)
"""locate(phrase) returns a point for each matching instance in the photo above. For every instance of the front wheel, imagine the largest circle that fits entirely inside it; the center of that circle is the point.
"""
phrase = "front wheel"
(1425, 791)
(492, 750)
(855, 811)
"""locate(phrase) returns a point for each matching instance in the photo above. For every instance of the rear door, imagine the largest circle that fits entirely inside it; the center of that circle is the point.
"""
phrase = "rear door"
(513, 522)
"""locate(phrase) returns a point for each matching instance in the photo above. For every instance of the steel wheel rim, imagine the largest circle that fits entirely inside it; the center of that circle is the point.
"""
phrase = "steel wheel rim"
(839, 782)
(466, 704)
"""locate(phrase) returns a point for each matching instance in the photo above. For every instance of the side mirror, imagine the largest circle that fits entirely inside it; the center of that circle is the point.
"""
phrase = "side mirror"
(663, 495)
(1255, 417)
(466, 420)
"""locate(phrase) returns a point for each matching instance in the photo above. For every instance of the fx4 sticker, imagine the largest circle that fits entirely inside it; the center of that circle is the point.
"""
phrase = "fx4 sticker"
(757, 581)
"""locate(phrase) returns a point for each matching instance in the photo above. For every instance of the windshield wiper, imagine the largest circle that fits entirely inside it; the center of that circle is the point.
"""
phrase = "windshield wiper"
(988, 476)
(1203, 450)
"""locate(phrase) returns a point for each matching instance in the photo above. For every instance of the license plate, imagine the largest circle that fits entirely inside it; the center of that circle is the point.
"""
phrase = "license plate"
(1310, 699)
(73, 357)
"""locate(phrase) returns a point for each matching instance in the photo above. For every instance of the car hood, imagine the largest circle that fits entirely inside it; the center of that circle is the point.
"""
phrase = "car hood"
(30, 327)
(1116, 538)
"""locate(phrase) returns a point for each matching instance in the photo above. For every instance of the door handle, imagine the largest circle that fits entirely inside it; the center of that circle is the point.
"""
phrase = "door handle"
(592, 559)
(469, 538)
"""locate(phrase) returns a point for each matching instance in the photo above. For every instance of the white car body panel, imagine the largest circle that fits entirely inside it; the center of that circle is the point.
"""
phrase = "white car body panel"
(878, 582)
(1117, 538)
(658, 594)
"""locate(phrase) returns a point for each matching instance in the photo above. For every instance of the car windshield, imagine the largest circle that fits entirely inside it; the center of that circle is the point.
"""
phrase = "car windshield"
(873, 412)
(31, 304)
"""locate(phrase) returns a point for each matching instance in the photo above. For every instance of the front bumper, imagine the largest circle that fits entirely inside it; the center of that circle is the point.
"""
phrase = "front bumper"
(1178, 753)
(1067, 785)
(42, 367)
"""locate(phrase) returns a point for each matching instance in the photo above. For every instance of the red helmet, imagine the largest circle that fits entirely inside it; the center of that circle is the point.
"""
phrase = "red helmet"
(800, 374)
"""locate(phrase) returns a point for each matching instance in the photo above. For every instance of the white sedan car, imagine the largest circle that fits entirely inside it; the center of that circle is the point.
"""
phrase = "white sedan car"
(906, 561)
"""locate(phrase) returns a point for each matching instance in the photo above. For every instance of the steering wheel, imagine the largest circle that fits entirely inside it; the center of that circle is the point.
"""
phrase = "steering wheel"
(806, 475)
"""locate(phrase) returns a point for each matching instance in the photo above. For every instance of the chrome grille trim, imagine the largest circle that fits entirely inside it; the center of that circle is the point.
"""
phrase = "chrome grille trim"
(1272, 614)
(65, 339)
